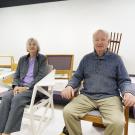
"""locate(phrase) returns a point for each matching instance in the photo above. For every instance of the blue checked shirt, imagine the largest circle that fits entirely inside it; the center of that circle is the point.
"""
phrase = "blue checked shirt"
(102, 77)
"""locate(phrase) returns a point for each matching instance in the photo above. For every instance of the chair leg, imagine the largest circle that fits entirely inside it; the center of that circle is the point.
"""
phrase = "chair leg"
(126, 112)
(98, 125)
(32, 123)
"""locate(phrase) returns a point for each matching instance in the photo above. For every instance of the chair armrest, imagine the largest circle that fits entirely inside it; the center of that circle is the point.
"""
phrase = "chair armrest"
(5, 75)
(77, 90)
(48, 80)
(126, 114)
(6, 79)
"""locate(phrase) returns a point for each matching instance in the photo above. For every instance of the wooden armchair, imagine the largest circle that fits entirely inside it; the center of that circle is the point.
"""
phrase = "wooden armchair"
(114, 44)
(62, 63)
(95, 116)
(7, 64)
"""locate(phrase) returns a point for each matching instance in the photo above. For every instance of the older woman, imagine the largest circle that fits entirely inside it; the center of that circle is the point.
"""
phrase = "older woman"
(31, 68)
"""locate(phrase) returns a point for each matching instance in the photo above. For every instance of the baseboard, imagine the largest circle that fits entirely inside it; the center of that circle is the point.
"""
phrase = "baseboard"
(132, 75)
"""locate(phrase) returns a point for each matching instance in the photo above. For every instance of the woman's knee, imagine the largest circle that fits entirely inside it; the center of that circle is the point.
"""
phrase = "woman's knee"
(20, 100)
(16, 101)
(7, 97)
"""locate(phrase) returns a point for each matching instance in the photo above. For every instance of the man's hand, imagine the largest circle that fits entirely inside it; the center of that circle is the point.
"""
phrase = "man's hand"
(18, 90)
(68, 92)
(129, 99)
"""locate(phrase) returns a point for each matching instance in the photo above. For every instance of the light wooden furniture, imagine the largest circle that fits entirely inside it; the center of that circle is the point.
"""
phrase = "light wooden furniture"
(95, 116)
(7, 62)
(3, 76)
(63, 63)
(114, 44)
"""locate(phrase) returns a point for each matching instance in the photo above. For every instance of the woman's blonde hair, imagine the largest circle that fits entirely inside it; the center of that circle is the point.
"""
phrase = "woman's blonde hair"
(32, 40)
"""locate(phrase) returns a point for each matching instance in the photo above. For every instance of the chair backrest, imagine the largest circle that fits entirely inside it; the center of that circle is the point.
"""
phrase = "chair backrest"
(49, 68)
(7, 62)
(114, 44)
(62, 63)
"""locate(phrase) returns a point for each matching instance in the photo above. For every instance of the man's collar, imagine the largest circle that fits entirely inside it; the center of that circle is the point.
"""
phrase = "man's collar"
(101, 57)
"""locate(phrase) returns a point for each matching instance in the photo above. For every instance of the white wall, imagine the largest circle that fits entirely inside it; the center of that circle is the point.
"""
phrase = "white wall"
(67, 27)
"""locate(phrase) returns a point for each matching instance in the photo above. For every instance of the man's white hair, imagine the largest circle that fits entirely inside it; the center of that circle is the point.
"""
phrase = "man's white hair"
(102, 31)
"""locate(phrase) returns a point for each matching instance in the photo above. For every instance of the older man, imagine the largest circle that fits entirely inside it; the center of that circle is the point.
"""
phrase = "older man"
(104, 77)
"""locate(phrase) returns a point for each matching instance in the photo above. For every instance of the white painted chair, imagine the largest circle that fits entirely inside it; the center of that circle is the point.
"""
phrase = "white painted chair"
(45, 86)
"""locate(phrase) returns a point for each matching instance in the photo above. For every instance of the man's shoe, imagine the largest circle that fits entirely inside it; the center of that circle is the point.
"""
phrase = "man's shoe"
(62, 134)
(65, 131)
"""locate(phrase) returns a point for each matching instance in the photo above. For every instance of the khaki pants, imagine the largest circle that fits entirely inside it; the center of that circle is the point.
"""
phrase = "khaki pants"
(110, 108)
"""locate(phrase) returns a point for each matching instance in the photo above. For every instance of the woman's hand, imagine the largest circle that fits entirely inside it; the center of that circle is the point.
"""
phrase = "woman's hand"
(18, 90)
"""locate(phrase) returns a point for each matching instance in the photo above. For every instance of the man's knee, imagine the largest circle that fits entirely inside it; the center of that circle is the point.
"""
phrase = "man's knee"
(117, 122)
(67, 111)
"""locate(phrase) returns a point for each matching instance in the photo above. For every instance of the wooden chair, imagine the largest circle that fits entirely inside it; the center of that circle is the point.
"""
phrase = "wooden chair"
(7, 60)
(7, 63)
(114, 44)
(62, 63)
(95, 116)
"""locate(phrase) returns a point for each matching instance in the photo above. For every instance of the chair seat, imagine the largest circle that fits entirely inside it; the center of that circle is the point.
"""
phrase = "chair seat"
(94, 113)
(93, 116)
